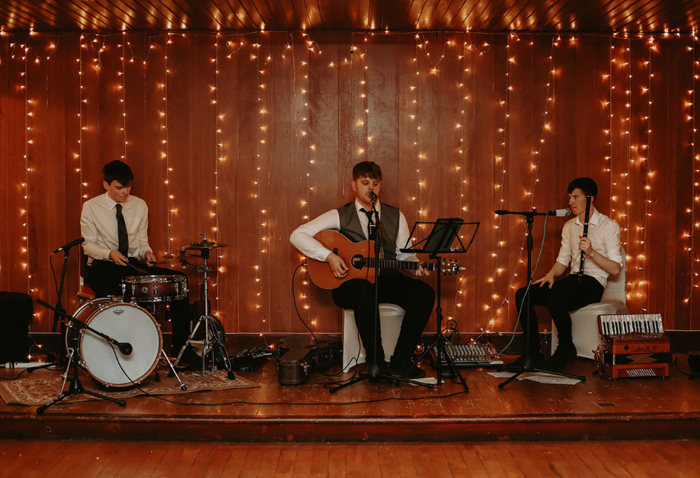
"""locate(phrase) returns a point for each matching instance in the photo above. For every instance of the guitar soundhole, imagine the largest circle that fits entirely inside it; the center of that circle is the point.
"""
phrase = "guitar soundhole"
(358, 261)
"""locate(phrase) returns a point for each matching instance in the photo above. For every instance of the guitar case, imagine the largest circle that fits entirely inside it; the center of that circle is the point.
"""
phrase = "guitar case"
(300, 356)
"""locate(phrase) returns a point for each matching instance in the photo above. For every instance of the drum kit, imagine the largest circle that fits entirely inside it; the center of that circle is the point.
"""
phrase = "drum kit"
(119, 343)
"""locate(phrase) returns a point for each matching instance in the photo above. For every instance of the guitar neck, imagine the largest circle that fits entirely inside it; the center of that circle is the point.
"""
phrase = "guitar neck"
(396, 264)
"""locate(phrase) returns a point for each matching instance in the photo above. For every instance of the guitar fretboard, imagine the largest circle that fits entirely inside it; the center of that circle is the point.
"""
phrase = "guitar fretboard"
(397, 264)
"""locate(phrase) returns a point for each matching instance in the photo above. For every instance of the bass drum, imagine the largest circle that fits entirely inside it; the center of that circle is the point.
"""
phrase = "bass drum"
(124, 323)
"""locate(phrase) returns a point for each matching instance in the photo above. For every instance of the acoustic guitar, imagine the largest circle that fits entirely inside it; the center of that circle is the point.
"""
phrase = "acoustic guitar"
(354, 256)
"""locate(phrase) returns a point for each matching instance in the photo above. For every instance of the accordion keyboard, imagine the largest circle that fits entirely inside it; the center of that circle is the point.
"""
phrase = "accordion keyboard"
(620, 325)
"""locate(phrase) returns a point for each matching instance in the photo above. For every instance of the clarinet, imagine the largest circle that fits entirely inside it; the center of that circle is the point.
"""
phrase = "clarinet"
(585, 234)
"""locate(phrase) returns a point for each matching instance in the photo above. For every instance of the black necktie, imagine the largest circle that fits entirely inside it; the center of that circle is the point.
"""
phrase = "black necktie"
(121, 232)
(369, 219)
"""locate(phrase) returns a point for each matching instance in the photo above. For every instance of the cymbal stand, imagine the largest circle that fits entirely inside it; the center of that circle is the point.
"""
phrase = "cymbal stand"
(211, 343)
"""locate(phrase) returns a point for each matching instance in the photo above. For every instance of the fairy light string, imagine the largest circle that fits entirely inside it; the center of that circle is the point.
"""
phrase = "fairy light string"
(690, 236)
(620, 144)
(28, 107)
(261, 65)
(219, 157)
(165, 152)
(461, 160)
(302, 91)
(499, 185)
(645, 158)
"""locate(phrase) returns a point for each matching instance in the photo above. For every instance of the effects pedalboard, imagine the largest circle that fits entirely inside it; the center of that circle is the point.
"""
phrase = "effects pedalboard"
(470, 355)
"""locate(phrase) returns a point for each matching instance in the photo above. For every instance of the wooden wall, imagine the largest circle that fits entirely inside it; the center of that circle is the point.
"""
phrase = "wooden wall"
(246, 136)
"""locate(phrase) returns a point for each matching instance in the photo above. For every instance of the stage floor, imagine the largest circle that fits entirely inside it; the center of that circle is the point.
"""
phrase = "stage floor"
(596, 409)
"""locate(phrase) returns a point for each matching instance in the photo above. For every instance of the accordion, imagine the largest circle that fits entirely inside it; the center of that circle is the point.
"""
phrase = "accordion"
(634, 345)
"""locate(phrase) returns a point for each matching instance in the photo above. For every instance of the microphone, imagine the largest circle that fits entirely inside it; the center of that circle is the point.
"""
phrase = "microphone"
(372, 196)
(69, 245)
(125, 348)
(560, 212)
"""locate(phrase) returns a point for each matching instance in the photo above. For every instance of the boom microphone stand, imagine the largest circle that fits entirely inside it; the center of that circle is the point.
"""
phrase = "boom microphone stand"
(529, 365)
(58, 308)
(75, 386)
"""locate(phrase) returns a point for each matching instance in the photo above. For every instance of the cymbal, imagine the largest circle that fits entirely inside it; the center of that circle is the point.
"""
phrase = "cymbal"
(200, 246)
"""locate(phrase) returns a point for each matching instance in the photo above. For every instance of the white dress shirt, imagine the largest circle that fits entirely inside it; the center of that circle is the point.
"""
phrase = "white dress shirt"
(303, 236)
(98, 225)
(604, 234)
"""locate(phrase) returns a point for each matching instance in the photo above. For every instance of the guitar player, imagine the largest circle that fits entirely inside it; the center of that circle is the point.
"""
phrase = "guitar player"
(414, 296)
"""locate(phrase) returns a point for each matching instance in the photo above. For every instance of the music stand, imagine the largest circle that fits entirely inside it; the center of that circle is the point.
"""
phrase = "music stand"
(444, 233)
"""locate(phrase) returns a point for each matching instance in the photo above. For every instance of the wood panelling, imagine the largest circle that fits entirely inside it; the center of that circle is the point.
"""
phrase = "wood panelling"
(243, 136)
(399, 15)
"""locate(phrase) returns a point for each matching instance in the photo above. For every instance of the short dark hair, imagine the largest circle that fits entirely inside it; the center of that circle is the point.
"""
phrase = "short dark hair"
(119, 171)
(367, 169)
(586, 185)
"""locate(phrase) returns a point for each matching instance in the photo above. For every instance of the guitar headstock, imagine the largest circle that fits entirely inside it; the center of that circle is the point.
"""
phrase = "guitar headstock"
(449, 267)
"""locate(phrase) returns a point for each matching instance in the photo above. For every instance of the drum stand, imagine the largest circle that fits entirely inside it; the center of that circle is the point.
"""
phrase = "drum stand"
(211, 343)
(75, 386)
(172, 369)
(153, 306)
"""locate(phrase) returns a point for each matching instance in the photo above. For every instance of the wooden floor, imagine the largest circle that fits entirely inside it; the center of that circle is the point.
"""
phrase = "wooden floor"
(662, 459)
(597, 409)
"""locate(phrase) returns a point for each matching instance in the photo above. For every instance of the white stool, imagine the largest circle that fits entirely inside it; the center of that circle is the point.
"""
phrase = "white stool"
(584, 321)
(390, 318)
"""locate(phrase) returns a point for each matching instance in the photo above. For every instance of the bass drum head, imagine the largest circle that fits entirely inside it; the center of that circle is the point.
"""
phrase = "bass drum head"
(124, 323)
(83, 314)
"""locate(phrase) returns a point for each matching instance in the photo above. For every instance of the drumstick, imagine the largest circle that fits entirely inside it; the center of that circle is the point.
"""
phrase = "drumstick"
(140, 271)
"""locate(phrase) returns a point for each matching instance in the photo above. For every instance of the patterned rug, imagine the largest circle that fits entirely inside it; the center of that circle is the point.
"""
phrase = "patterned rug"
(42, 386)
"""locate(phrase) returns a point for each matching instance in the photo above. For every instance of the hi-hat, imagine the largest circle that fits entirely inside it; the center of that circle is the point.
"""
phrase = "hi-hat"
(204, 245)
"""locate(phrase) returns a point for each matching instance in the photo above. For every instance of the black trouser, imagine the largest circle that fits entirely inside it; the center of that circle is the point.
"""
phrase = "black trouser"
(414, 296)
(105, 279)
(565, 295)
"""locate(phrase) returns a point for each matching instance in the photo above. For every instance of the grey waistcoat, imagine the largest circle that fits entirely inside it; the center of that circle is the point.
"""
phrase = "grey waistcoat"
(351, 228)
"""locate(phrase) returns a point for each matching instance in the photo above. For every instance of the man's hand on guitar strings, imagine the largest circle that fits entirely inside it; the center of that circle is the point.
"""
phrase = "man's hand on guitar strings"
(337, 264)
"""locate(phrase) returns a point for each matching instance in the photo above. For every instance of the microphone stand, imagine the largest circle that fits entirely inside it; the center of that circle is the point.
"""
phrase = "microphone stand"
(75, 386)
(529, 365)
(59, 307)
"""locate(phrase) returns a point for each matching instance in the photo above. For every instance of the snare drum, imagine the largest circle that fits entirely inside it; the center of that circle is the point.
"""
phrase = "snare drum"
(151, 289)
(123, 322)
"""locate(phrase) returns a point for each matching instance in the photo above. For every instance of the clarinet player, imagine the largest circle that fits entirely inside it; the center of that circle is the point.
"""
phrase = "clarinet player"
(562, 293)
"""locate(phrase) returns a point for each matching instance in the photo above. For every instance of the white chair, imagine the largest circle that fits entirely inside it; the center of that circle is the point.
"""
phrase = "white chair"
(390, 318)
(584, 321)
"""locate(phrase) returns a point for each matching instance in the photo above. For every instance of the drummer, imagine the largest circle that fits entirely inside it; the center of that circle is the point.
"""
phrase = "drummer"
(115, 228)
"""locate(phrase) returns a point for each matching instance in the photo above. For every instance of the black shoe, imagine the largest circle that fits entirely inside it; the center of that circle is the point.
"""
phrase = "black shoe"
(537, 361)
(405, 368)
(561, 358)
